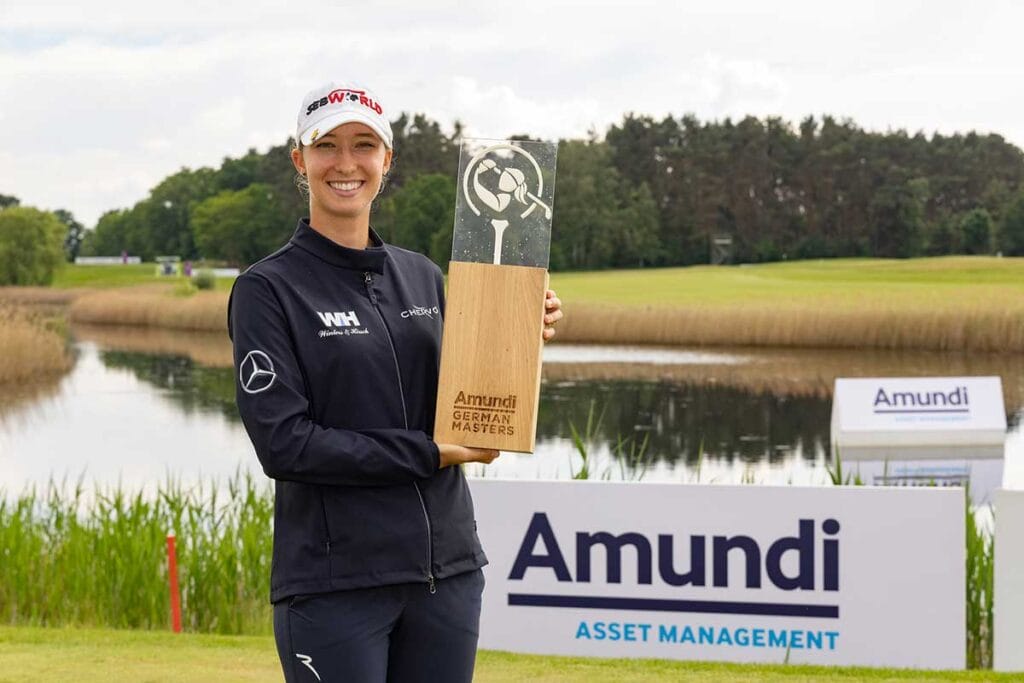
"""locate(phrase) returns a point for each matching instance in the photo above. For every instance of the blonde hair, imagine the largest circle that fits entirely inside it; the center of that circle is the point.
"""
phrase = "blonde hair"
(300, 179)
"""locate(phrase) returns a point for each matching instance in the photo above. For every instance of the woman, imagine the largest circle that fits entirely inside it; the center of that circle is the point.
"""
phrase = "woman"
(376, 566)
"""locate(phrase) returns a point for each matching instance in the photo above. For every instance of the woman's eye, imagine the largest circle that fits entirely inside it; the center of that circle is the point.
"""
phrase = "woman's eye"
(324, 145)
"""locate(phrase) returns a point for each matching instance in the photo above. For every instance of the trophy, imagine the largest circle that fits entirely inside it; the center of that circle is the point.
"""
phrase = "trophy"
(489, 384)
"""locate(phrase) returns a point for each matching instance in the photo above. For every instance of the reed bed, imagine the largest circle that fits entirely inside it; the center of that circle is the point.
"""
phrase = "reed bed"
(154, 306)
(783, 372)
(942, 304)
(806, 372)
(970, 304)
(72, 560)
(209, 349)
(816, 325)
(38, 296)
(950, 329)
(32, 347)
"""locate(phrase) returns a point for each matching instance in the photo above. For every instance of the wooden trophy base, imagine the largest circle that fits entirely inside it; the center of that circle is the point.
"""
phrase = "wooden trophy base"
(489, 385)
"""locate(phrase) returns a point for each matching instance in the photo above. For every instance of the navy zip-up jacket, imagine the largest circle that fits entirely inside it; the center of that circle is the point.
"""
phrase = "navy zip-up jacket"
(337, 352)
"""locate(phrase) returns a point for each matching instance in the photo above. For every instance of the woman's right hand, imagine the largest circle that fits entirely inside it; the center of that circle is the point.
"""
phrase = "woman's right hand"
(452, 454)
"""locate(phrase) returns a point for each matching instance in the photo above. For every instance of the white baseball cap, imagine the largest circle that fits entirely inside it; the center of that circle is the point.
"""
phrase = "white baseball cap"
(325, 108)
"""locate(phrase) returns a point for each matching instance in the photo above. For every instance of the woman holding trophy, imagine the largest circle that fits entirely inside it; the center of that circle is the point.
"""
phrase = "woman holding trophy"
(376, 564)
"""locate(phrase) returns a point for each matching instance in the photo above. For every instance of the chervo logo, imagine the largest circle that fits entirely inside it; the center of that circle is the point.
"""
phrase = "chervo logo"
(429, 311)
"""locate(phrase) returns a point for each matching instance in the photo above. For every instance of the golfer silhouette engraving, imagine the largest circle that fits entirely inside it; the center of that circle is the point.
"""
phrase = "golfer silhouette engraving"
(511, 186)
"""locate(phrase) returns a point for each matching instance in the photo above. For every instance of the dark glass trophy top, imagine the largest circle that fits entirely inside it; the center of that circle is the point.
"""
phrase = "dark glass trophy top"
(505, 198)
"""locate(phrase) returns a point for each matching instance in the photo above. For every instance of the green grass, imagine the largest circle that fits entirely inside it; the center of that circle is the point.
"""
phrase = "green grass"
(71, 276)
(101, 655)
(837, 281)
(845, 279)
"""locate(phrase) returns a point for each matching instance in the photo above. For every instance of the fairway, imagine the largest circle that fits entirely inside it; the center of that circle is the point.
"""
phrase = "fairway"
(956, 303)
(850, 281)
(940, 304)
(965, 281)
(100, 656)
(73, 275)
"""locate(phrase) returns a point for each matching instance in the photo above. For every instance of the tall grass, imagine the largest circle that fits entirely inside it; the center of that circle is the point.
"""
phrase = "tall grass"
(102, 562)
(32, 347)
(951, 328)
(940, 303)
(210, 349)
(930, 304)
(980, 591)
(804, 372)
(782, 372)
(155, 306)
(38, 296)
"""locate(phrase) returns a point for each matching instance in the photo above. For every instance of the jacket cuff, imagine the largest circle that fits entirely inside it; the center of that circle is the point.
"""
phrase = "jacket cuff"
(436, 454)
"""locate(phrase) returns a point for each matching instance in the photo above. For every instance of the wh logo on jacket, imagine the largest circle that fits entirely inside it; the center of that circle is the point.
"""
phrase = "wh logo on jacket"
(340, 323)
(339, 319)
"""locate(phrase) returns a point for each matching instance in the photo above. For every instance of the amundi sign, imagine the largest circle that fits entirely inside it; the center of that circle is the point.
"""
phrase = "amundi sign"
(839, 575)
(918, 417)
(709, 557)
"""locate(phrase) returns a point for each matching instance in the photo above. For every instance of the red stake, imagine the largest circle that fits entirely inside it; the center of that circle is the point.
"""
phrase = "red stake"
(172, 575)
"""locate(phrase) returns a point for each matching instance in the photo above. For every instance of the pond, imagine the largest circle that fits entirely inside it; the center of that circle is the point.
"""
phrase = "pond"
(142, 406)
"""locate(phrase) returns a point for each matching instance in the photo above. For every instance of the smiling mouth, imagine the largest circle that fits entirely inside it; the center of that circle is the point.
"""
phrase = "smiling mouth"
(346, 185)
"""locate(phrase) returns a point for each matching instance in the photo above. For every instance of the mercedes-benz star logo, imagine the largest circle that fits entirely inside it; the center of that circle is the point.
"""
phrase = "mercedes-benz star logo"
(256, 372)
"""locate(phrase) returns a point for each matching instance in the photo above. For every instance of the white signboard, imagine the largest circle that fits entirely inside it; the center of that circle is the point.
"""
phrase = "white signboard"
(851, 576)
(1008, 620)
(107, 260)
(918, 417)
(982, 476)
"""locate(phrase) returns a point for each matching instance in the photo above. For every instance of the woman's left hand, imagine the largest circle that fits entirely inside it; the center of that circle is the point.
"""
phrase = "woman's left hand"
(552, 313)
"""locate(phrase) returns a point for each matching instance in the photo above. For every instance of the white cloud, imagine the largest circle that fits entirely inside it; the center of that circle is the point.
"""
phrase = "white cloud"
(112, 96)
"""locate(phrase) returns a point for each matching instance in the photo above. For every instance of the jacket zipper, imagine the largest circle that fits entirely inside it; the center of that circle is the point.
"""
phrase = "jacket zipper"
(368, 280)
(327, 527)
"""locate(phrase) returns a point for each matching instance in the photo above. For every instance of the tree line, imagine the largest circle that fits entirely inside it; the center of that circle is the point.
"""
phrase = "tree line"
(647, 193)
(822, 189)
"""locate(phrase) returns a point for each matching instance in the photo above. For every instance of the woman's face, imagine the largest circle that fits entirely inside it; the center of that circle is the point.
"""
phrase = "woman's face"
(345, 168)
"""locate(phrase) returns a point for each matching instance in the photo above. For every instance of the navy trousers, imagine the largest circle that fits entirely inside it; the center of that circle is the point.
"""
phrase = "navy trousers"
(388, 634)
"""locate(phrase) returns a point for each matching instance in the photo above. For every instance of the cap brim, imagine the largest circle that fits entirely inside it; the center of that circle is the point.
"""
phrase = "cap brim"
(329, 123)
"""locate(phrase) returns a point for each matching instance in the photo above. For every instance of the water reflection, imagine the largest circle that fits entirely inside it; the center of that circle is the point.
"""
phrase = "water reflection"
(679, 421)
(111, 422)
(192, 387)
(141, 403)
(676, 419)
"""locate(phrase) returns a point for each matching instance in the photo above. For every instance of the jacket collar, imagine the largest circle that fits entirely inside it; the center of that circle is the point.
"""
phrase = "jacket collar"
(370, 259)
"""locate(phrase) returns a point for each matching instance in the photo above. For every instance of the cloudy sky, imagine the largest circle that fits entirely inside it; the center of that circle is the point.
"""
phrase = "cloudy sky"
(102, 99)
